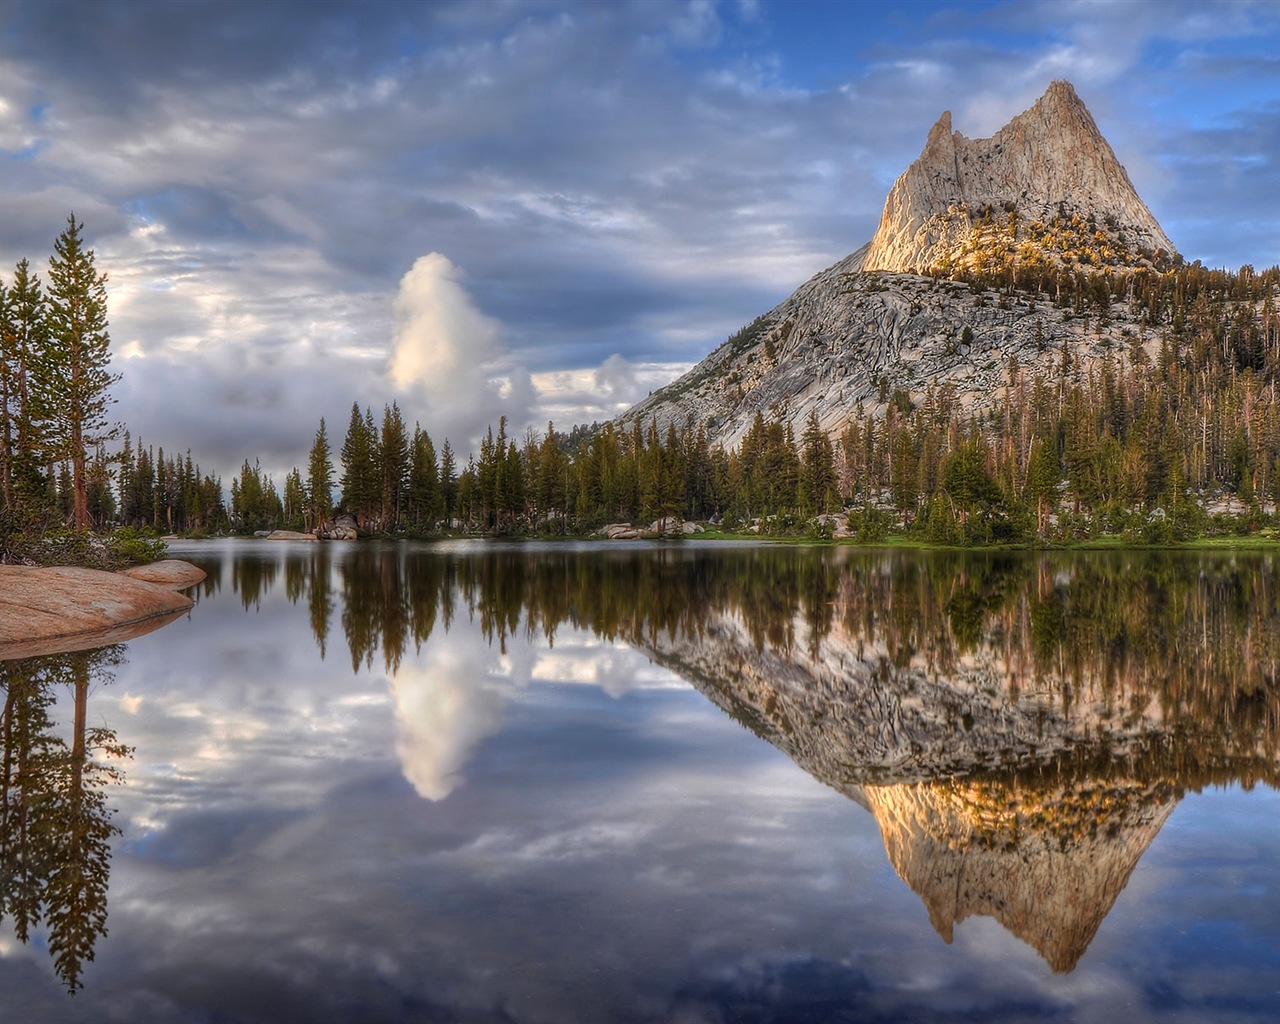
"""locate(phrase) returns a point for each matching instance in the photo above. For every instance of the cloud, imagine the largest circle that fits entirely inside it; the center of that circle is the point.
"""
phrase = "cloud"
(451, 352)
(629, 180)
(442, 715)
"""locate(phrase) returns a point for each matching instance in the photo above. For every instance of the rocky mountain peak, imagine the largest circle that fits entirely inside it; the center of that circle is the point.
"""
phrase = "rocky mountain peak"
(1046, 186)
(1045, 195)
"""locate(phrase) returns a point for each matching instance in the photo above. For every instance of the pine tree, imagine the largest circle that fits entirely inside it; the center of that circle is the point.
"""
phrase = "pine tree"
(425, 500)
(448, 481)
(79, 347)
(319, 480)
(295, 500)
(360, 486)
(393, 466)
(25, 380)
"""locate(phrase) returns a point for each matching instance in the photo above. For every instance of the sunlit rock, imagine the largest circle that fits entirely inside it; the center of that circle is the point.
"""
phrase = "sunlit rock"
(889, 324)
(56, 609)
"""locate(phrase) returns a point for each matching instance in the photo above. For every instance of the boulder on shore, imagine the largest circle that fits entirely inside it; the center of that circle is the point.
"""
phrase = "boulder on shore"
(290, 535)
(343, 527)
(173, 573)
(51, 610)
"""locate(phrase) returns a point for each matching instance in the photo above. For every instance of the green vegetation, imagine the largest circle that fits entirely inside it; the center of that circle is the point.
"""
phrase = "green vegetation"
(1153, 444)
(55, 391)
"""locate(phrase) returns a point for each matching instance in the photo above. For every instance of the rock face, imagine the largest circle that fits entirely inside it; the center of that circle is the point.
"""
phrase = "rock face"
(1049, 162)
(974, 849)
(343, 527)
(865, 328)
(848, 338)
(169, 572)
(53, 610)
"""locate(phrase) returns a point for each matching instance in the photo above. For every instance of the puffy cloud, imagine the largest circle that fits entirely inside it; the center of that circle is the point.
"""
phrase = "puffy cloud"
(452, 353)
(443, 714)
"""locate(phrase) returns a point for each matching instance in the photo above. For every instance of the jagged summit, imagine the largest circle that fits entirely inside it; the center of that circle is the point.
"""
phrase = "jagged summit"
(1040, 202)
(1045, 186)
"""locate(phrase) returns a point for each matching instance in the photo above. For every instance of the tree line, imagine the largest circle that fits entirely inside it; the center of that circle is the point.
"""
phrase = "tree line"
(1135, 443)
(1142, 443)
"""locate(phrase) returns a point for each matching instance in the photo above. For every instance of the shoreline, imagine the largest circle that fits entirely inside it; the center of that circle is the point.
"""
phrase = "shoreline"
(58, 609)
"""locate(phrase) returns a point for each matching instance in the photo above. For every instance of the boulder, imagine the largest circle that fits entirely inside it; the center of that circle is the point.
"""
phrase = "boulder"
(290, 535)
(343, 527)
(51, 610)
(170, 572)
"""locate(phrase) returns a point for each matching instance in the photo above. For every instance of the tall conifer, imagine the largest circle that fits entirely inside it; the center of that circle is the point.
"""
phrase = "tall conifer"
(79, 349)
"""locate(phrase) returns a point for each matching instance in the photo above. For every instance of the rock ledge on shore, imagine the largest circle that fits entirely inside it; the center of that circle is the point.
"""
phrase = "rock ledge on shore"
(50, 610)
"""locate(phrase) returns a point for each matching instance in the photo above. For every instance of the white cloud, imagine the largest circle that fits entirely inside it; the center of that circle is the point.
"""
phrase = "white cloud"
(442, 713)
(451, 352)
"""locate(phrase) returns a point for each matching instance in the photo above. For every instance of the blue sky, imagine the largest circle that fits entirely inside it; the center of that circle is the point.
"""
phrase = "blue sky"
(547, 209)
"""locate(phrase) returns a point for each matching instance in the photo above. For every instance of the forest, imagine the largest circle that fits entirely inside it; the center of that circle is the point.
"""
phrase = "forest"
(1148, 446)
(1151, 447)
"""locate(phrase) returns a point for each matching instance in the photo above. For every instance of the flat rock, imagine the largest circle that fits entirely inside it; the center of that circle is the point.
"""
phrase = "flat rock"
(169, 572)
(290, 535)
(51, 610)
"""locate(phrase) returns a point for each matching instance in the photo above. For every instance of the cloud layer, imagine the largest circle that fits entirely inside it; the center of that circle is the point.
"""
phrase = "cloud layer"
(623, 184)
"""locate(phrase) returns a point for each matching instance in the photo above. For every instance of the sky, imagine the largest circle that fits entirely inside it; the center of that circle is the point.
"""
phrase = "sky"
(546, 209)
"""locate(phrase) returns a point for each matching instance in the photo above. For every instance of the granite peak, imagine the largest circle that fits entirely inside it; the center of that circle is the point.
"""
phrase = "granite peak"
(931, 303)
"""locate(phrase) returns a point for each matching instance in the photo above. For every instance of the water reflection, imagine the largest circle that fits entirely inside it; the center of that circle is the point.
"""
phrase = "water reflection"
(55, 825)
(1020, 727)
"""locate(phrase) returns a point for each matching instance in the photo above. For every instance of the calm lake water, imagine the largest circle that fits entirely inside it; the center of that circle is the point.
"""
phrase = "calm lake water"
(686, 783)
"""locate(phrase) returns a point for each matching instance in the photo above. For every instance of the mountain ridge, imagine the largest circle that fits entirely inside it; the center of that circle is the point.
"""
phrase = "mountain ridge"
(1045, 197)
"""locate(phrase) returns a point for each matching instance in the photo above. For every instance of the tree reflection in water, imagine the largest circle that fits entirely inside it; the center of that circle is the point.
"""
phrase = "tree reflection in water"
(55, 825)
(1021, 726)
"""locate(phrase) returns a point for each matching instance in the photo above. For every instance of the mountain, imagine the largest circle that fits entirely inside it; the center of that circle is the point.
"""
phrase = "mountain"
(929, 300)
(1048, 165)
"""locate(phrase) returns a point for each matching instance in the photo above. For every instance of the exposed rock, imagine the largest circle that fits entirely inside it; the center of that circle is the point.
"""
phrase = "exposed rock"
(856, 337)
(847, 339)
(343, 527)
(290, 535)
(620, 531)
(1049, 162)
(836, 524)
(52, 610)
(669, 526)
(169, 572)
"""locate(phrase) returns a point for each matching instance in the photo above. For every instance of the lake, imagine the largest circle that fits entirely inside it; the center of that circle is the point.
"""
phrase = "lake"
(686, 782)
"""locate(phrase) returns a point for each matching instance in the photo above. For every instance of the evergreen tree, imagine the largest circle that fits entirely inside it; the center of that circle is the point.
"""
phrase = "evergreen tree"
(25, 386)
(393, 467)
(817, 468)
(80, 352)
(295, 500)
(425, 502)
(319, 486)
(361, 488)
(448, 481)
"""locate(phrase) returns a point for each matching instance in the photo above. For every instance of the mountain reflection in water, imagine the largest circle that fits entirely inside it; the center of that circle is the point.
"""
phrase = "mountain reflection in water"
(1021, 727)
